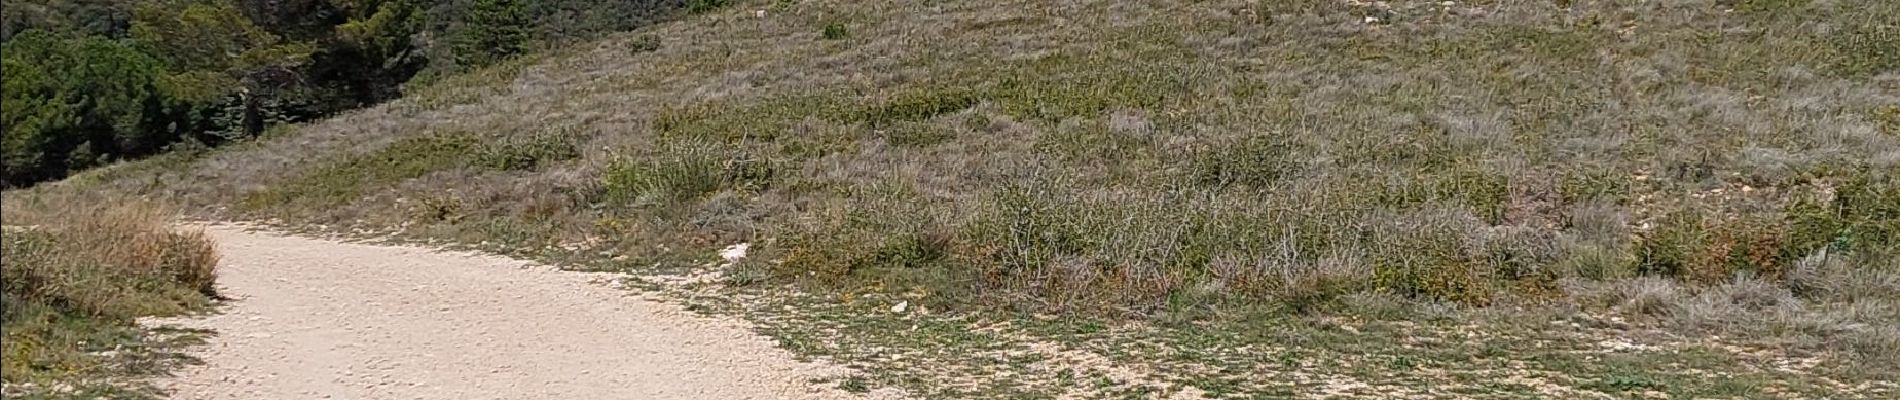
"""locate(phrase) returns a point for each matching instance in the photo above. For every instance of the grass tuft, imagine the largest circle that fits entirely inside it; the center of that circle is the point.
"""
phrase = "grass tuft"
(76, 276)
(680, 171)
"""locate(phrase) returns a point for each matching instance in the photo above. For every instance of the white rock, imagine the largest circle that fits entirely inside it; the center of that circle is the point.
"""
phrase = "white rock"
(900, 307)
(734, 253)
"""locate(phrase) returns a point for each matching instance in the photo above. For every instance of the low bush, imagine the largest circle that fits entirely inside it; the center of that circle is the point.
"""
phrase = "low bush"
(527, 154)
(644, 44)
(75, 280)
(1257, 161)
(834, 31)
(920, 104)
(889, 236)
(677, 171)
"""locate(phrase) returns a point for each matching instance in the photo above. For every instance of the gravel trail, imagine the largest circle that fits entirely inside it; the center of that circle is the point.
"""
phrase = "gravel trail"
(318, 319)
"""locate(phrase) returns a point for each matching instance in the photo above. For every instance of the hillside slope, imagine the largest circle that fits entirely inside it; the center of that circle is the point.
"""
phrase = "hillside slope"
(1694, 168)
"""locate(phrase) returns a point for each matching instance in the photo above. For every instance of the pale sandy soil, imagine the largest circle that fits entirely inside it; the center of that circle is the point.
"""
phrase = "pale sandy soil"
(317, 319)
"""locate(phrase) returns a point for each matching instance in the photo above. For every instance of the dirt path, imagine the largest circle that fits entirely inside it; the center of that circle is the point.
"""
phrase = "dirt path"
(316, 319)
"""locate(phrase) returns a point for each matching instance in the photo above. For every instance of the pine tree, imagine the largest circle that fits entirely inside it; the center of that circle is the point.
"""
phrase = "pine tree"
(495, 30)
(70, 102)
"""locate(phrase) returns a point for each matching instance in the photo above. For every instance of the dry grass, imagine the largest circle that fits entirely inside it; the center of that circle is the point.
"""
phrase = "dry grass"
(1162, 159)
(76, 276)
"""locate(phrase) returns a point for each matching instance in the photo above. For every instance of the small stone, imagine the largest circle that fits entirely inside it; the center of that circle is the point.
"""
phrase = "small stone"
(734, 253)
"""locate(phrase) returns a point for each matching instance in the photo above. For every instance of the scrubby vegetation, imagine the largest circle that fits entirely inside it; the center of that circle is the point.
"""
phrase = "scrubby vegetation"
(1468, 153)
(1699, 166)
(76, 277)
(91, 82)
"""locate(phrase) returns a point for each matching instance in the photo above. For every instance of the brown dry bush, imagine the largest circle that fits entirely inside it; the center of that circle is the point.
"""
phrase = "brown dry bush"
(76, 274)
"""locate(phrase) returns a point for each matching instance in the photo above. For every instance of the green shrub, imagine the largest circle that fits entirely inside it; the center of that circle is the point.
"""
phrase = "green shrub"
(1709, 246)
(678, 171)
(1426, 256)
(1698, 246)
(1023, 230)
(1080, 247)
(746, 273)
(529, 153)
(1889, 119)
(1862, 215)
(644, 44)
(920, 104)
(1580, 185)
(438, 208)
(704, 6)
(1257, 161)
(834, 31)
(1482, 192)
(1869, 206)
(1594, 261)
(897, 249)
(1668, 249)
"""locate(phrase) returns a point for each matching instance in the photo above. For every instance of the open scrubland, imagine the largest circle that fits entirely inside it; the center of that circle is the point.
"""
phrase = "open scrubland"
(1492, 198)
